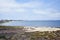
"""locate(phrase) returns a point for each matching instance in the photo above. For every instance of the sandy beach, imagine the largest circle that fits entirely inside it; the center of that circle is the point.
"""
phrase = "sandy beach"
(41, 29)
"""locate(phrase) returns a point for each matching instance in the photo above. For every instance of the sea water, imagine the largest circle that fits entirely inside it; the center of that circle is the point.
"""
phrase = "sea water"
(37, 23)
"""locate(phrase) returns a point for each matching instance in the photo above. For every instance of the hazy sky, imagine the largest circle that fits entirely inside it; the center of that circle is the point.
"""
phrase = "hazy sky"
(30, 9)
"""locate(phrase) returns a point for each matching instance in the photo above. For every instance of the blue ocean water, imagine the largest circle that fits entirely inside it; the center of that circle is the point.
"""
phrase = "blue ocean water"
(54, 23)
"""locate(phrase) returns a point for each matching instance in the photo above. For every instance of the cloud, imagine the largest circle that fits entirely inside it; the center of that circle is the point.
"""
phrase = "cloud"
(38, 9)
(45, 11)
(12, 6)
(48, 12)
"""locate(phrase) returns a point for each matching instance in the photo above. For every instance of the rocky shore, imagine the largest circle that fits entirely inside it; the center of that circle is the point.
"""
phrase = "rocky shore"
(24, 33)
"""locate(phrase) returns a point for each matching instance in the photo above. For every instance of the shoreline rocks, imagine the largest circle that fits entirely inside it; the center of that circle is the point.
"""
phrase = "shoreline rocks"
(22, 34)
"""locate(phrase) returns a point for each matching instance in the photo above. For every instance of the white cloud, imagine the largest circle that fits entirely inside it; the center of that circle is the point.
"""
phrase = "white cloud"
(49, 12)
(45, 11)
(42, 9)
(12, 6)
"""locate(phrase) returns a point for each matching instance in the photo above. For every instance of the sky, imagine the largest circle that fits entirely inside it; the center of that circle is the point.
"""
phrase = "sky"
(30, 9)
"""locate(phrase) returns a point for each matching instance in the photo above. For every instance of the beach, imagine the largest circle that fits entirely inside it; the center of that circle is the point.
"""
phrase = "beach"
(41, 29)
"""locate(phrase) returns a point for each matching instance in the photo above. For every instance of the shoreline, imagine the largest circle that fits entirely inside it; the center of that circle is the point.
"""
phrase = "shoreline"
(40, 29)
(32, 29)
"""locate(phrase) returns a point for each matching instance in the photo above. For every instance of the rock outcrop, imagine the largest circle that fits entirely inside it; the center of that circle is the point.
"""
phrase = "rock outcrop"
(21, 34)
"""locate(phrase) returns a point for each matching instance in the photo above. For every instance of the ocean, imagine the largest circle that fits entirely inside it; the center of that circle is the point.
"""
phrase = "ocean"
(46, 23)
